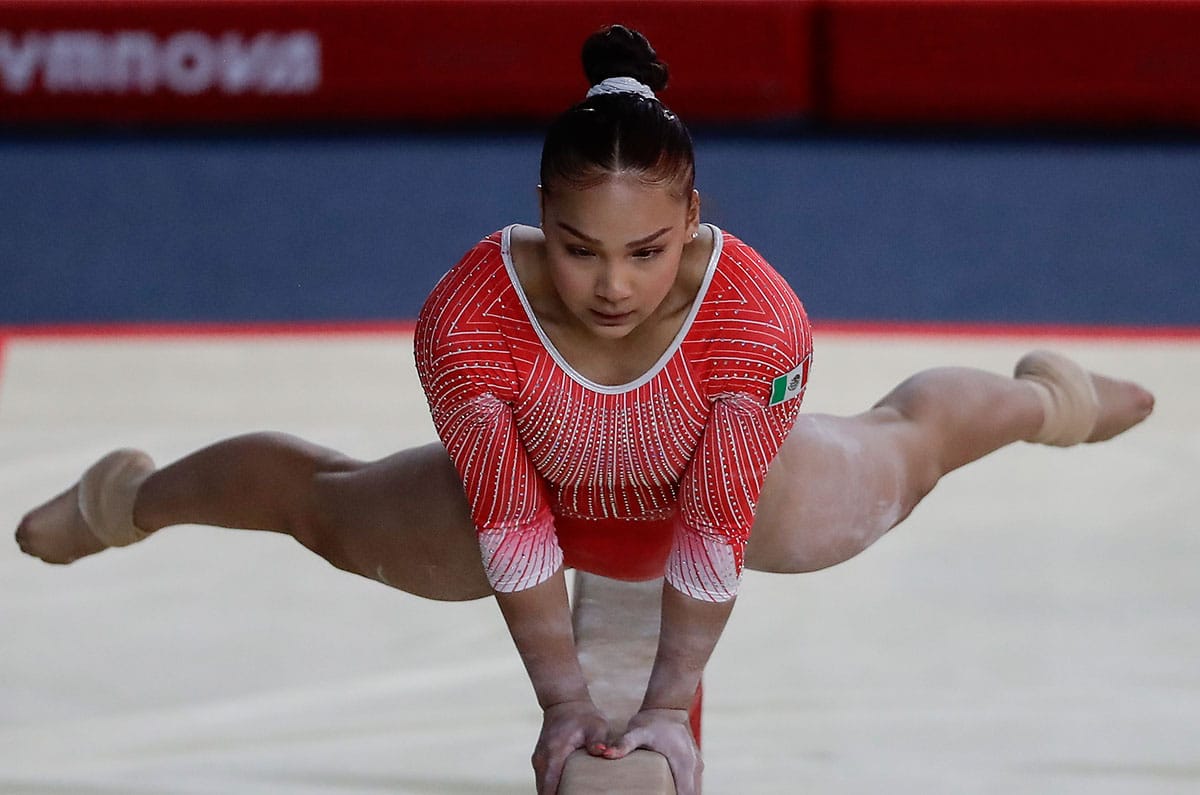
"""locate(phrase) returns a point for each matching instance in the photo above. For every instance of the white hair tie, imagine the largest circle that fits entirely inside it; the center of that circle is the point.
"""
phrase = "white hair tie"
(621, 85)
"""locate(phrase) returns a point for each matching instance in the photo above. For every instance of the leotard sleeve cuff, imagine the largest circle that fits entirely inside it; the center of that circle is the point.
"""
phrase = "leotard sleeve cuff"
(516, 559)
(703, 566)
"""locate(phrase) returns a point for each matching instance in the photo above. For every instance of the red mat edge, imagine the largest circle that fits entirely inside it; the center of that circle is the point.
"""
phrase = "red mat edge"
(402, 327)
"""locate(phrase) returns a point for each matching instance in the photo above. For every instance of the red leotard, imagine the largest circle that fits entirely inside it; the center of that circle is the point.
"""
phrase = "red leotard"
(658, 476)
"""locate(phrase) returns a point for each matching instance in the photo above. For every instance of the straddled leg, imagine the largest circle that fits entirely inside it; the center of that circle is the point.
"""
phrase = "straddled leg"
(402, 520)
(840, 483)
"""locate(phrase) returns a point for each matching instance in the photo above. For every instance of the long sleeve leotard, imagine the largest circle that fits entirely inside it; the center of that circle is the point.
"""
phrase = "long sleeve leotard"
(656, 477)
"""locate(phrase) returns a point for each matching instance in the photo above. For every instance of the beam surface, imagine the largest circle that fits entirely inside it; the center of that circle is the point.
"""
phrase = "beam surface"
(616, 633)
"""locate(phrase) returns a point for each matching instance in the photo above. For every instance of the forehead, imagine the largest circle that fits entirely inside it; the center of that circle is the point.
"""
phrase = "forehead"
(619, 200)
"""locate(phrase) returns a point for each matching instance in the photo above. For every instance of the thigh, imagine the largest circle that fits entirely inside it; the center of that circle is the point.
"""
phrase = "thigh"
(404, 520)
(837, 485)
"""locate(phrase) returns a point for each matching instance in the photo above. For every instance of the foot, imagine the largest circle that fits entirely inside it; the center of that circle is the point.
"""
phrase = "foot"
(1123, 404)
(56, 532)
(94, 514)
(1078, 405)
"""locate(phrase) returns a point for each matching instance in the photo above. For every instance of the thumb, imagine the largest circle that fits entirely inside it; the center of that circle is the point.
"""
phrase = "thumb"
(629, 742)
(595, 739)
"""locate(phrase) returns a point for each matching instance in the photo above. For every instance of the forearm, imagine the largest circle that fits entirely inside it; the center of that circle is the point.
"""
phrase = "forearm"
(539, 620)
(690, 631)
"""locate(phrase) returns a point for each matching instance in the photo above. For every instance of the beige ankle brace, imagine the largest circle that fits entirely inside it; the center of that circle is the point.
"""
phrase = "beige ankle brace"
(107, 492)
(1068, 397)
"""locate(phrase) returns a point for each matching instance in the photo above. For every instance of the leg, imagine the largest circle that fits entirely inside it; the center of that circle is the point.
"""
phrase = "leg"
(402, 520)
(840, 483)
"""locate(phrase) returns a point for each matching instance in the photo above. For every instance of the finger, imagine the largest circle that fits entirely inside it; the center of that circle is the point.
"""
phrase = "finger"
(547, 779)
(540, 769)
(686, 763)
(686, 767)
(597, 737)
(629, 742)
(554, 761)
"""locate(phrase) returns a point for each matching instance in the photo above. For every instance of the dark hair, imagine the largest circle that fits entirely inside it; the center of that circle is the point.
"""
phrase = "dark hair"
(608, 133)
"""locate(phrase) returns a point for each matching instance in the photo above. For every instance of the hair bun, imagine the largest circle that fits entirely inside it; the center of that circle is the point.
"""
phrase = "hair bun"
(617, 51)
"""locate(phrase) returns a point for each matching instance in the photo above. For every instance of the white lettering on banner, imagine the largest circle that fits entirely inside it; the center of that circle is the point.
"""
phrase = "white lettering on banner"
(136, 61)
(189, 62)
(19, 60)
(243, 63)
(134, 64)
(75, 63)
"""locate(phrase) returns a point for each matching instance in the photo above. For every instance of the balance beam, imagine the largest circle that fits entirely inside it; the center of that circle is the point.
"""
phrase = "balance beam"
(616, 633)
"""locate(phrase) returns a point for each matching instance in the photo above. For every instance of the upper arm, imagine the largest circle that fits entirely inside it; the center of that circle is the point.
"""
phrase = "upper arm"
(469, 381)
(756, 383)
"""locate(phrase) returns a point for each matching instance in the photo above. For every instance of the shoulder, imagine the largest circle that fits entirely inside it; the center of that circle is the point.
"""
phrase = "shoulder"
(748, 299)
(478, 269)
(466, 295)
(469, 311)
(742, 268)
(751, 324)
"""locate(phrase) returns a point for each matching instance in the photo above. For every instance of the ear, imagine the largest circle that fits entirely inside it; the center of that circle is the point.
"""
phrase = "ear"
(541, 205)
(693, 213)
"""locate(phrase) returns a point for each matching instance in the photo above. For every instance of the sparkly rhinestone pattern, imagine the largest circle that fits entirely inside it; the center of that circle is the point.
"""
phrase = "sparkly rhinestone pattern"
(682, 450)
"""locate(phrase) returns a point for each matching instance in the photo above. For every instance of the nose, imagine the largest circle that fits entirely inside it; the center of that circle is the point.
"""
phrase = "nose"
(613, 284)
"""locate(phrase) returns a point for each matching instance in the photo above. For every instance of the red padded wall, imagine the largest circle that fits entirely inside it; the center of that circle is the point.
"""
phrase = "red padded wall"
(1090, 62)
(422, 60)
(1096, 62)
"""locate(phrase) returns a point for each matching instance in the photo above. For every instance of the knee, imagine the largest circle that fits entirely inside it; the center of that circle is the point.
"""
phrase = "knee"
(923, 476)
(804, 558)
(314, 518)
(804, 550)
(917, 444)
(295, 454)
(315, 531)
(912, 398)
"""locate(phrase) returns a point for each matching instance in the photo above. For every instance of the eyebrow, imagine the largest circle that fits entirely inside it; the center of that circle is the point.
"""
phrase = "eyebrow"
(634, 244)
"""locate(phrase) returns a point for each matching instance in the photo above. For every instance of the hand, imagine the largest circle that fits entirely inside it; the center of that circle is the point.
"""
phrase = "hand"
(669, 732)
(566, 727)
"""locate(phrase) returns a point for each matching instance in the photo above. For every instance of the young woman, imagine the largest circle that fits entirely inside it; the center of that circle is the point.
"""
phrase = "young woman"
(615, 391)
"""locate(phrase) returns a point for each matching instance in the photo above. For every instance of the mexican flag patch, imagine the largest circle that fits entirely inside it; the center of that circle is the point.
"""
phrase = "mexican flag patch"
(789, 385)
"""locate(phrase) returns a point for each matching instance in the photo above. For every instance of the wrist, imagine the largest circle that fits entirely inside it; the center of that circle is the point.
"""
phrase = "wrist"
(672, 686)
(571, 703)
(675, 713)
(549, 699)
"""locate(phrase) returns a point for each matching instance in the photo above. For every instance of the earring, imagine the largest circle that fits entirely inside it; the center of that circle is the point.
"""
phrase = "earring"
(695, 235)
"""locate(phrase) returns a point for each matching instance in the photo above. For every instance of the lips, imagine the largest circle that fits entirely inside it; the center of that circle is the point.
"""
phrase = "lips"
(608, 319)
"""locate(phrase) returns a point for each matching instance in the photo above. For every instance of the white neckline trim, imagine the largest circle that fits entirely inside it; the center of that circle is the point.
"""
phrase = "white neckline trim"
(560, 360)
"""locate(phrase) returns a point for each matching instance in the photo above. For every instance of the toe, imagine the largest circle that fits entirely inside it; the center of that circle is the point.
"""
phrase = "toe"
(1123, 404)
(22, 535)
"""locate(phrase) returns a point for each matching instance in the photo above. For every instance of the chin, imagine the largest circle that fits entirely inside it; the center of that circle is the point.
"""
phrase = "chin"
(612, 332)
(614, 328)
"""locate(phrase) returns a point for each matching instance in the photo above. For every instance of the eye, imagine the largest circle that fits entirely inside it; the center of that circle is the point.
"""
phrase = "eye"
(647, 253)
(578, 251)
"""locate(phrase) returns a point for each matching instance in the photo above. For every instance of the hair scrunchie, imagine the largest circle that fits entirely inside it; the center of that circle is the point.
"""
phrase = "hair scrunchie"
(621, 85)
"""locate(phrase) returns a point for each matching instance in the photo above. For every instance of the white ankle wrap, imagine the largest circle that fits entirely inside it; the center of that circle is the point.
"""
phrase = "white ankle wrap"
(107, 492)
(1068, 397)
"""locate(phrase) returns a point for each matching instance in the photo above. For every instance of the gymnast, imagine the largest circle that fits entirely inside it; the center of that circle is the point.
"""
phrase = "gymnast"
(616, 391)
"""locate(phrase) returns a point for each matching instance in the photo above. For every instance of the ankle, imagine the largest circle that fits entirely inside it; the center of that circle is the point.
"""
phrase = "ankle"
(107, 493)
(1070, 406)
